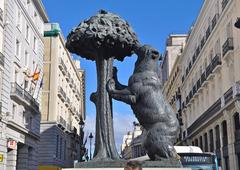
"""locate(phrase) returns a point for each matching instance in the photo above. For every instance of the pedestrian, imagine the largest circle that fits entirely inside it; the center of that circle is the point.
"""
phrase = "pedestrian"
(133, 165)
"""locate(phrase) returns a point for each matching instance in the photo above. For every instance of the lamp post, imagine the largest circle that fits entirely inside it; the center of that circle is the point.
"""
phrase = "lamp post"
(90, 137)
(237, 24)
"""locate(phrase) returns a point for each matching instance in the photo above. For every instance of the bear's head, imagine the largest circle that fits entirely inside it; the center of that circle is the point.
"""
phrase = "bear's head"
(147, 59)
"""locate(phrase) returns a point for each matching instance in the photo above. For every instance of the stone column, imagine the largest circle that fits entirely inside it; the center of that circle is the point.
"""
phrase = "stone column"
(11, 160)
(22, 158)
(231, 140)
(221, 142)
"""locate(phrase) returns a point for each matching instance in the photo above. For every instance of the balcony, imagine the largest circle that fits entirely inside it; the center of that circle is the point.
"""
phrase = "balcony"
(68, 77)
(191, 95)
(62, 66)
(67, 102)
(216, 62)
(74, 88)
(203, 80)
(228, 96)
(61, 122)
(71, 82)
(183, 79)
(2, 59)
(214, 20)
(198, 51)
(227, 46)
(21, 96)
(77, 94)
(224, 4)
(209, 70)
(198, 84)
(61, 94)
(194, 90)
(203, 42)
(208, 32)
(68, 128)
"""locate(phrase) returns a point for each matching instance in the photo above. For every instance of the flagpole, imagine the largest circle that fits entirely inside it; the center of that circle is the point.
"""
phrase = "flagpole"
(36, 82)
(31, 81)
(40, 86)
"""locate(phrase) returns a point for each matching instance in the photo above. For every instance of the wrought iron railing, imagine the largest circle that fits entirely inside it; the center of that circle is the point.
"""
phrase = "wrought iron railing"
(224, 4)
(2, 59)
(227, 46)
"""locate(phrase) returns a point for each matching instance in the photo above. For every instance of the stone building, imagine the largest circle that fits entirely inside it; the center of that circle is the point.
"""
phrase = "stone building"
(210, 83)
(21, 45)
(2, 124)
(63, 103)
(172, 89)
(174, 46)
(132, 143)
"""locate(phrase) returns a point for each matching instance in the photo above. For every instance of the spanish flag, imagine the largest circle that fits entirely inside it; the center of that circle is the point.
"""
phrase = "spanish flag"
(36, 75)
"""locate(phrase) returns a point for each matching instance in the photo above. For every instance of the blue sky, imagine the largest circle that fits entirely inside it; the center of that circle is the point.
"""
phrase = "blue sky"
(152, 20)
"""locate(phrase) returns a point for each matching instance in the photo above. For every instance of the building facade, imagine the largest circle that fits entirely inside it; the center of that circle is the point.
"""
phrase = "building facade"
(209, 86)
(21, 23)
(174, 46)
(132, 143)
(2, 124)
(63, 103)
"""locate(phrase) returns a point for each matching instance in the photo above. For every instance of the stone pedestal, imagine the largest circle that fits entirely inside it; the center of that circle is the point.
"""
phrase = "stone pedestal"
(123, 169)
(119, 165)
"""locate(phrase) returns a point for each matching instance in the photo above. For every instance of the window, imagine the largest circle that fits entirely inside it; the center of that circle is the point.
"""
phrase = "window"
(26, 58)
(16, 76)
(14, 108)
(17, 50)
(19, 18)
(28, 4)
(35, 17)
(27, 33)
(26, 84)
(33, 66)
(35, 44)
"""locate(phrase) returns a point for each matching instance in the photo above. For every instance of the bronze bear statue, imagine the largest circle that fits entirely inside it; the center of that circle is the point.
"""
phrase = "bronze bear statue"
(150, 107)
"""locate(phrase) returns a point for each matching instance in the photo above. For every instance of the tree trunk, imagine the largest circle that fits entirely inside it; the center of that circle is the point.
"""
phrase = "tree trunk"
(105, 148)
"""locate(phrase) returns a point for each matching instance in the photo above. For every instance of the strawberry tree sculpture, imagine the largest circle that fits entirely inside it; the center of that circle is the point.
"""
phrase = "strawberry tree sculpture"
(103, 38)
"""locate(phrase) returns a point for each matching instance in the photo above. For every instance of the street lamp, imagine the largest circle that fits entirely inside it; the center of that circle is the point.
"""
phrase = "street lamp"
(237, 24)
(90, 137)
